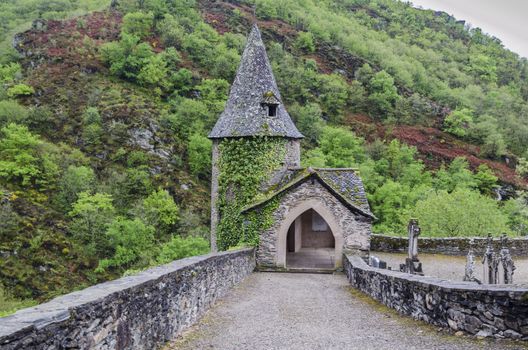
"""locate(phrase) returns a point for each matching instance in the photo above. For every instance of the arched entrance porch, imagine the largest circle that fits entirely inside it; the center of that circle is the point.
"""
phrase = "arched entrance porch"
(310, 238)
(310, 242)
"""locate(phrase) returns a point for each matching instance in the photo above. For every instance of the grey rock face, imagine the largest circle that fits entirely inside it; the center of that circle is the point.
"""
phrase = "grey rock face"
(254, 89)
(142, 138)
(483, 310)
(135, 312)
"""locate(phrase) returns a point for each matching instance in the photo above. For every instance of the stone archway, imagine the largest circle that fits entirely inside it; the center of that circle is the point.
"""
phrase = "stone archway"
(295, 212)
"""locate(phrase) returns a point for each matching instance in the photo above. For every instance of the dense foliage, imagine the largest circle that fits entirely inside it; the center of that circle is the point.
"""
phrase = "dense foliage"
(413, 57)
(244, 165)
(104, 159)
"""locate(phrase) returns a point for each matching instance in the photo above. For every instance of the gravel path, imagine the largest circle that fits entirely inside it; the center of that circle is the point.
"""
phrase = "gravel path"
(308, 311)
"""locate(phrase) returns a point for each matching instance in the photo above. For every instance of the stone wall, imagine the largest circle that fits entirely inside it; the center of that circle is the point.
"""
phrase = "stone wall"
(351, 231)
(447, 246)
(135, 312)
(489, 310)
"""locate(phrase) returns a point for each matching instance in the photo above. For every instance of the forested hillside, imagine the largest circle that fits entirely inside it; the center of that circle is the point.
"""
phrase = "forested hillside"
(104, 159)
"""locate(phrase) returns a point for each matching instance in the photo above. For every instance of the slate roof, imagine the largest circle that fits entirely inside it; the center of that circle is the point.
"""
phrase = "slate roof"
(246, 112)
(345, 184)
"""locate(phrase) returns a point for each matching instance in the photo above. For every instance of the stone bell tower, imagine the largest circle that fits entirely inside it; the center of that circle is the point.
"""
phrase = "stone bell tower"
(254, 110)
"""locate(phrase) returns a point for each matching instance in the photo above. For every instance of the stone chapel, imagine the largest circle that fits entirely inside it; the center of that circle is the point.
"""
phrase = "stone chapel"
(309, 216)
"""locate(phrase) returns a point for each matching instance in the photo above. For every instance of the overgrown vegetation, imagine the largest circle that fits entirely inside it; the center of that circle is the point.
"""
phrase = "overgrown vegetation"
(104, 159)
(244, 165)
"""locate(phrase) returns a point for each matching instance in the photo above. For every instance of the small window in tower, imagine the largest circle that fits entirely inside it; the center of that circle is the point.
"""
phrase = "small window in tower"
(272, 110)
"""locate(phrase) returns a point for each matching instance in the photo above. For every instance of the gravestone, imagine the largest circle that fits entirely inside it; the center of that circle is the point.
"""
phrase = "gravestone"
(469, 274)
(498, 267)
(506, 266)
(489, 263)
(412, 263)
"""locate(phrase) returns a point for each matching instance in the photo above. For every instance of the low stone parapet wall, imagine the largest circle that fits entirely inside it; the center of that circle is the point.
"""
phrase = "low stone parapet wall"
(135, 312)
(447, 246)
(487, 310)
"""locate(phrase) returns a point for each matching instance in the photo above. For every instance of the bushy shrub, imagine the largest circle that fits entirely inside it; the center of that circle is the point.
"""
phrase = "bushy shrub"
(132, 243)
(460, 213)
(179, 248)
(91, 215)
(76, 179)
(138, 24)
(305, 42)
(199, 152)
(12, 112)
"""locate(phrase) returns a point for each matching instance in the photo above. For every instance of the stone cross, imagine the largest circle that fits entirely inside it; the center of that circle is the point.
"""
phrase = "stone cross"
(414, 231)
(489, 263)
(412, 263)
(505, 272)
(469, 275)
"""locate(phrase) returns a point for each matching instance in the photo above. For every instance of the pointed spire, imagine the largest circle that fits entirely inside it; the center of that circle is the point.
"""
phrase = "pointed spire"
(254, 107)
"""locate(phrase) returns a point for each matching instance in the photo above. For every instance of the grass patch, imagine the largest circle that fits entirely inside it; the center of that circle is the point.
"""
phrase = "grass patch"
(426, 328)
(9, 305)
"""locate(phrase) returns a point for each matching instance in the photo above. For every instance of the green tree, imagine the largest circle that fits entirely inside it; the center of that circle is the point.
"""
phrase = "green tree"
(483, 67)
(132, 243)
(138, 24)
(199, 152)
(340, 147)
(76, 179)
(160, 211)
(494, 146)
(9, 218)
(461, 213)
(391, 204)
(126, 57)
(189, 116)
(92, 126)
(19, 158)
(305, 42)
(308, 118)
(383, 94)
(333, 95)
(457, 175)
(458, 122)
(179, 248)
(172, 32)
(154, 72)
(20, 90)
(91, 215)
(266, 9)
(517, 211)
(486, 180)
(9, 73)
(12, 112)
(213, 93)
(522, 167)
(129, 186)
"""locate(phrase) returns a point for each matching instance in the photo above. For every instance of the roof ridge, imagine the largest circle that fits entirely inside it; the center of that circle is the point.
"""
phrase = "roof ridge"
(302, 177)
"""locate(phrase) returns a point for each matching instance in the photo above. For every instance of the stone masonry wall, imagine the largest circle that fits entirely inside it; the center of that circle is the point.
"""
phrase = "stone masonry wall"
(356, 228)
(498, 311)
(135, 312)
(448, 246)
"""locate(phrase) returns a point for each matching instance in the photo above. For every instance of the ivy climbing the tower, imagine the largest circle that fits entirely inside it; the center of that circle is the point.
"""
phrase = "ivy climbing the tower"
(245, 165)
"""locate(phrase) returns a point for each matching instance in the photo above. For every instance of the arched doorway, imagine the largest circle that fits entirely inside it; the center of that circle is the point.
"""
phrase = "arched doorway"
(310, 238)
(310, 242)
